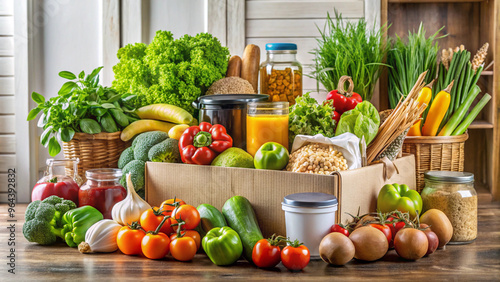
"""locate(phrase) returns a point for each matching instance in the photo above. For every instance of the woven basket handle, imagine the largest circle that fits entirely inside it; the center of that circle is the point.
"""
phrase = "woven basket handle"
(340, 86)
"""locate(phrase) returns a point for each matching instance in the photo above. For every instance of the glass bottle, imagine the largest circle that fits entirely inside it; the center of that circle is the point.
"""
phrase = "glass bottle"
(102, 190)
(266, 122)
(281, 73)
(56, 182)
(453, 193)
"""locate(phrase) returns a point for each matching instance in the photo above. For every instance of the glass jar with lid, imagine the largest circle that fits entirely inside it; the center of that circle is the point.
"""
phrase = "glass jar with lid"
(281, 73)
(453, 193)
(266, 122)
(102, 190)
(56, 182)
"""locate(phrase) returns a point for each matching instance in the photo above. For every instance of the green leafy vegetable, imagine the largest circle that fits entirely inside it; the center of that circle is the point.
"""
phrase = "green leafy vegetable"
(81, 106)
(170, 71)
(307, 117)
(363, 120)
(349, 48)
(409, 60)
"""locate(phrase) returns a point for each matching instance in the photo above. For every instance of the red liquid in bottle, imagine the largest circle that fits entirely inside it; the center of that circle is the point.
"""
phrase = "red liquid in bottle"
(101, 195)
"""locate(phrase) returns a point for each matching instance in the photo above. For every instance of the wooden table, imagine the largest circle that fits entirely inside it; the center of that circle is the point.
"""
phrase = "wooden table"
(478, 261)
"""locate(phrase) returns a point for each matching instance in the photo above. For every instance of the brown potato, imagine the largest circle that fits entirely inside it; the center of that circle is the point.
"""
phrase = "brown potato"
(411, 243)
(440, 224)
(336, 249)
(369, 242)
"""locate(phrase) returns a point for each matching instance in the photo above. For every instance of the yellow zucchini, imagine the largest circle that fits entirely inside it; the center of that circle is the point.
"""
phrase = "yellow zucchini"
(165, 112)
(144, 125)
(437, 112)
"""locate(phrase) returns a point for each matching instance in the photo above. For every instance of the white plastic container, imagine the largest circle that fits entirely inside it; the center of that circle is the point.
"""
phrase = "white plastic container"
(309, 217)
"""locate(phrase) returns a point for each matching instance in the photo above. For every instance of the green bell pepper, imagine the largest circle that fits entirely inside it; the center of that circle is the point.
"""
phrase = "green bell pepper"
(77, 222)
(401, 198)
(222, 245)
(271, 155)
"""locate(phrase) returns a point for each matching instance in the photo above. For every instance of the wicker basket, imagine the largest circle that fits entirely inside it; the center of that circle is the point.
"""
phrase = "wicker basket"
(435, 153)
(94, 151)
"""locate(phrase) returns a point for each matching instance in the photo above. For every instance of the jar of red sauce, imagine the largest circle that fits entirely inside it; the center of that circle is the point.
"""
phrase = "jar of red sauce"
(102, 190)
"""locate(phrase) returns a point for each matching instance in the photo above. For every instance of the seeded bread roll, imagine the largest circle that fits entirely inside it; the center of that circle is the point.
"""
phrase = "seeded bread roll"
(230, 85)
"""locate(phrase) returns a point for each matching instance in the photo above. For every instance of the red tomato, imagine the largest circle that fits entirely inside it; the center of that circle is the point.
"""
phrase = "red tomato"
(395, 227)
(336, 116)
(339, 229)
(129, 240)
(265, 254)
(167, 209)
(183, 249)
(150, 219)
(155, 246)
(295, 258)
(189, 233)
(188, 214)
(386, 229)
(432, 239)
(67, 189)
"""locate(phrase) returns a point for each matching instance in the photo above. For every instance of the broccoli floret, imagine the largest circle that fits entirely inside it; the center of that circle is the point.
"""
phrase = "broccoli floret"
(145, 142)
(166, 151)
(126, 157)
(44, 220)
(136, 168)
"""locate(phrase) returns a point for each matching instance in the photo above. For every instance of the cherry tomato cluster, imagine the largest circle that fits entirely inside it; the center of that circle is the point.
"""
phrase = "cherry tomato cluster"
(159, 231)
(267, 253)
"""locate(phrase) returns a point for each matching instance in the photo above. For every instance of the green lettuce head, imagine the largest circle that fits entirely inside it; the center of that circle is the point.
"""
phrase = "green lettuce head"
(363, 120)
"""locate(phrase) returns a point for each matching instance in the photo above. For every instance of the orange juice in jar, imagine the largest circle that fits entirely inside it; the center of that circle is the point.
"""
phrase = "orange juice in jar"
(266, 122)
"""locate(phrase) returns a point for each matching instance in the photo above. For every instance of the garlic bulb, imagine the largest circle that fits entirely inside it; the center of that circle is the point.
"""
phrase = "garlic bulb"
(130, 208)
(100, 237)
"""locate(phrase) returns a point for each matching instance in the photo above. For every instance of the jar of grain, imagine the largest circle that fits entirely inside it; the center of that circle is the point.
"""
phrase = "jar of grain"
(453, 193)
(281, 73)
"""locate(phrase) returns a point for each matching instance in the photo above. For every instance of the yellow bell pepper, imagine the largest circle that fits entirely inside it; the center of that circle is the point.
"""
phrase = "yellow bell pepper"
(437, 112)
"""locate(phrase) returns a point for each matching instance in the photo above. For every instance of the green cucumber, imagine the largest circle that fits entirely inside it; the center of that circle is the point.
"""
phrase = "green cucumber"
(210, 217)
(240, 216)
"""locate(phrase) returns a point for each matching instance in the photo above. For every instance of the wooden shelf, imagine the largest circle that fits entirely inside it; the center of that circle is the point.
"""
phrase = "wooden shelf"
(481, 124)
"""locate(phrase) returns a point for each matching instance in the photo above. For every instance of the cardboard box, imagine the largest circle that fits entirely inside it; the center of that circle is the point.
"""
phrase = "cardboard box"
(265, 189)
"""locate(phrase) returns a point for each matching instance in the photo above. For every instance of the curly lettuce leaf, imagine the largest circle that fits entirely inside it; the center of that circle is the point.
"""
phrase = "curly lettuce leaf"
(307, 117)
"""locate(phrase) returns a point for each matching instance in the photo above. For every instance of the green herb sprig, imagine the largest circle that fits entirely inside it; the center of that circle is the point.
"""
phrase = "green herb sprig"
(349, 48)
(82, 105)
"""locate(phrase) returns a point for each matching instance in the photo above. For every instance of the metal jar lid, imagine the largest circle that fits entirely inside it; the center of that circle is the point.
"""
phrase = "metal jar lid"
(310, 200)
(449, 176)
(228, 99)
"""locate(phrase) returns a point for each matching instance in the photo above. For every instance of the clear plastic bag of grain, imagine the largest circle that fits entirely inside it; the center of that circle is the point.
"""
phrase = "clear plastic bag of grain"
(453, 193)
(317, 158)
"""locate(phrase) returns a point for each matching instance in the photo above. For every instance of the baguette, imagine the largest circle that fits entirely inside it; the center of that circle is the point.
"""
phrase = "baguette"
(250, 65)
(234, 66)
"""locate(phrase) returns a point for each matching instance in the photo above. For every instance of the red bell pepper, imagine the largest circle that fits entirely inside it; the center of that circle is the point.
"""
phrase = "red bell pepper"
(201, 144)
(344, 101)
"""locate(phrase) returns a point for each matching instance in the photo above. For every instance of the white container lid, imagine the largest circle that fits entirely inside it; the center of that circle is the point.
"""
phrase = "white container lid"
(310, 200)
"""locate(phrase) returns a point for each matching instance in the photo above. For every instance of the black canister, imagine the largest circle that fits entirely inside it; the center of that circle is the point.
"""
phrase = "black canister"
(230, 110)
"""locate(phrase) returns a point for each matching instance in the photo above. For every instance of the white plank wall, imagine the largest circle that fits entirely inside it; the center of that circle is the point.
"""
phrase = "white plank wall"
(7, 104)
(296, 22)
(6, 85)
(7, 144)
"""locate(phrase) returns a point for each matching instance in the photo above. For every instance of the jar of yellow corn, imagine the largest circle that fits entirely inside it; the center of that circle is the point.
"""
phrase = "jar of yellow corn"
(281, 73)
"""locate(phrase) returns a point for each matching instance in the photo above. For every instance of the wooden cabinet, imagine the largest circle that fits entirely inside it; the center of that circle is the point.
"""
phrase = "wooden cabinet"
(471, 23)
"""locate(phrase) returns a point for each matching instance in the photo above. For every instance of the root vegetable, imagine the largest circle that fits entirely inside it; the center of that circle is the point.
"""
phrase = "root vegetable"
(370, 243)
(432, 239)
(411, 243)
(336, 249)
(440, 224)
